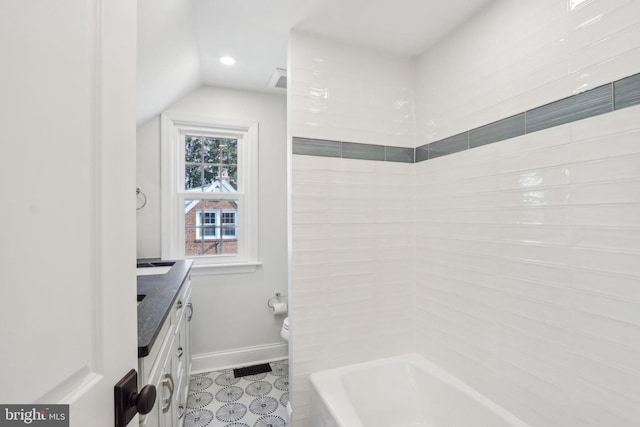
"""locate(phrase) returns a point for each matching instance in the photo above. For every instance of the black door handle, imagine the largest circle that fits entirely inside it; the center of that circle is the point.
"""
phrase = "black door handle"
(128, 402)
(144, 400)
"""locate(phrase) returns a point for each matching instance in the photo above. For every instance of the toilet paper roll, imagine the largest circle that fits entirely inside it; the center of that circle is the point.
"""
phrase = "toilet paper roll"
(279, 308)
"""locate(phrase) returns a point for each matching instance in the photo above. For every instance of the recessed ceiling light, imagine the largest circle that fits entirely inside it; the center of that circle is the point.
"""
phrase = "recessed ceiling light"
(227, 60)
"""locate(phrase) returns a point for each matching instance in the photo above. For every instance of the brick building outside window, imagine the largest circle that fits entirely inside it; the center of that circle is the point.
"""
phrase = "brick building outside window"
(211, 226)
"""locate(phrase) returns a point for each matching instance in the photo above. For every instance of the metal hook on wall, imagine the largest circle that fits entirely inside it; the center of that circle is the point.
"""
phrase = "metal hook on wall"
(144, 196)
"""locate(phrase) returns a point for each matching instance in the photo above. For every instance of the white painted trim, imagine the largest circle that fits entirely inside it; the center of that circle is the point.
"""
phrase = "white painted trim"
(173, 125)
(238, 357)
(72, 388)
(216, 269)
(168, 185)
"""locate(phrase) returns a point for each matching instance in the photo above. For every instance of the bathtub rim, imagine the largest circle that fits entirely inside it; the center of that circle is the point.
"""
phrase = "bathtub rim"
(328, 386)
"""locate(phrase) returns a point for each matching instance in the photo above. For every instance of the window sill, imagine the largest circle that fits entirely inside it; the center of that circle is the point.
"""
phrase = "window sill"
(216, 269)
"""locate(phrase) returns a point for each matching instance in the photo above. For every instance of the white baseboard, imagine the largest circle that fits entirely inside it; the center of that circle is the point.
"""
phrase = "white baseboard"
(238, 357)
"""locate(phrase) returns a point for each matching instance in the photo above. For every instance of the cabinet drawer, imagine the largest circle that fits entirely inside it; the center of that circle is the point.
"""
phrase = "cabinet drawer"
(146, 365)
(162, 377)
(180, 306)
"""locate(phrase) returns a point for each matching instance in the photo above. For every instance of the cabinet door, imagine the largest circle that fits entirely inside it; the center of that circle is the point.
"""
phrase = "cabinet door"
(187, 338)
(162, 377)
(171, 371)
(153, 418)
(167, 388)
(182, 381)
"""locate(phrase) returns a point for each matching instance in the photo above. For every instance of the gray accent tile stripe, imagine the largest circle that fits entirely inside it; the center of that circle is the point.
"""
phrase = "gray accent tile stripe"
(497, 131)
(422, 153)
(587, 104)
(449, 145)
(317, 147)
(603, 99)
(627, 92)
(352, 150)
(399, 154)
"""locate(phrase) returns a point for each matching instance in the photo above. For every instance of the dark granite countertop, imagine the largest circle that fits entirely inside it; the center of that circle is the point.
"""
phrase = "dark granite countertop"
(160, 292)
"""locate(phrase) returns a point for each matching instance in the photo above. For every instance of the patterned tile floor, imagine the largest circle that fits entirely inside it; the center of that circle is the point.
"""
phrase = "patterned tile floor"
(218, 399)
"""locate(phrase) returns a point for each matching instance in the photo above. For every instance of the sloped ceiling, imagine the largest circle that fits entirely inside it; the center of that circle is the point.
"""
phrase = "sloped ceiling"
(180, 41)
(168, 58)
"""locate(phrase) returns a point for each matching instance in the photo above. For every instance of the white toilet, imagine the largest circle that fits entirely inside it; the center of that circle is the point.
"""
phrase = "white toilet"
(284, 332)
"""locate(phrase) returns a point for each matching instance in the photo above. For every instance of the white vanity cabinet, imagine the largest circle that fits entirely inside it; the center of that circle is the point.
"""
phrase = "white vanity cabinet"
(168, 364)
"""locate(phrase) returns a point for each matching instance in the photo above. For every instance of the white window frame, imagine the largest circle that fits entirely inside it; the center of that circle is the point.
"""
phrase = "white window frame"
(174, 128)
(219, 225)
(199, 224)
(222, 224)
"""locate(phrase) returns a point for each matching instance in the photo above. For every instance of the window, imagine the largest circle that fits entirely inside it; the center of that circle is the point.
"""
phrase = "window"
(229, 225)
(207, 225)
(209, 188)
(210, 222)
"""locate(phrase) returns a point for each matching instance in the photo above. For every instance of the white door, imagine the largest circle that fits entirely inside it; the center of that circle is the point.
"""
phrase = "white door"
(67, 188)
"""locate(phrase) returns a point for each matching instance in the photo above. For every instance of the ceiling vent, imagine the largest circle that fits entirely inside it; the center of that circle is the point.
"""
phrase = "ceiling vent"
(279, 79)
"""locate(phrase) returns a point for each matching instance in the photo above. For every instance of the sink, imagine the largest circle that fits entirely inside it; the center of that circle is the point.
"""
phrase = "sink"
(155, 264)
(144, 271)
(152, 268)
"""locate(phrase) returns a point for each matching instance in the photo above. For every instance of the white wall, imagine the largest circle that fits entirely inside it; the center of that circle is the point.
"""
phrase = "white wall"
(352, 247)
(528, 249)
(231, 313)
(168, 65)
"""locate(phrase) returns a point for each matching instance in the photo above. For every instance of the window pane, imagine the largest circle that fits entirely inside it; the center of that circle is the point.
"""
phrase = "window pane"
(211, 180)
(228, 217)
(209, 232)
(229, 246)
(191, 231)
(229, 232)
(229, 152)
(207, 217)
(230, 177)
(229, 223)
(192, 149)
(211, 150)
(211, 227)
(192, 177)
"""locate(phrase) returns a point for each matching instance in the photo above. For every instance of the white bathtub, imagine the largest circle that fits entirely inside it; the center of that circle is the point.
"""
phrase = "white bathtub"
(401, 391)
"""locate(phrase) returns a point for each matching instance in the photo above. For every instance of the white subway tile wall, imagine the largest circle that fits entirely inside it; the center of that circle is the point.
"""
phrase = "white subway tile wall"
(353, 241)
(517, 56)
(528, 280)
(352, 267)
(345, 93)
(513, 265)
